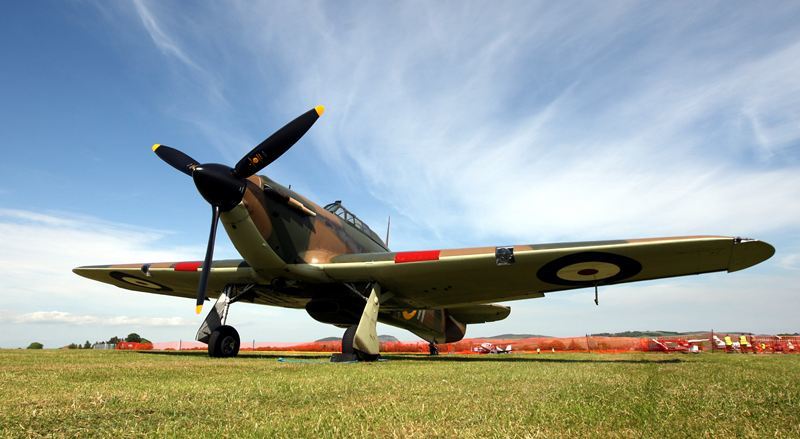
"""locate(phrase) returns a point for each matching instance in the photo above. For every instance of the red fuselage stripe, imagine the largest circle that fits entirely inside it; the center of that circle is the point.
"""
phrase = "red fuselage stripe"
(188, 266)
(430, 255)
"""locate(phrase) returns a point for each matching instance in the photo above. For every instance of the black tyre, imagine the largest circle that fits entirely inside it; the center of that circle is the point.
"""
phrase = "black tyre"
(348, 339)
(224, 342)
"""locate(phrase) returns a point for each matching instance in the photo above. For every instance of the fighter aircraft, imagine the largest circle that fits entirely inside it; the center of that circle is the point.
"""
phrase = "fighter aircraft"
(296, 254)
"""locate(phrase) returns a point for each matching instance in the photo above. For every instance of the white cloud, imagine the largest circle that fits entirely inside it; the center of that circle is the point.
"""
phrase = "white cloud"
(60, 317)
(520, 123)
(162, 40)
(38, 252)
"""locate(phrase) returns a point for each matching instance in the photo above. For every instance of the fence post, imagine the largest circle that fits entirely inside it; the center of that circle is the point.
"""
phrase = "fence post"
(711, 339)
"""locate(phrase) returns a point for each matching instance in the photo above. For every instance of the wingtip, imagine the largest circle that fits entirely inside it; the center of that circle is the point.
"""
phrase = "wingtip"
(88, 271)
(749, 252)
(81, 271)
(155, 146)
(319, 109)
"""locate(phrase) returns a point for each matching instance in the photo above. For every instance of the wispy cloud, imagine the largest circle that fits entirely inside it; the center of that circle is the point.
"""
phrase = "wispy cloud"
(162, 40)
(39, 250)
(525, 123)
(532, 123)
(60, 317)
(196, 79)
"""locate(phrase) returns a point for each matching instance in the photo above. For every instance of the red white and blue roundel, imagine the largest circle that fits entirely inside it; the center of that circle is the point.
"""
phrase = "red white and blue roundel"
(589, 268)
(138, 281)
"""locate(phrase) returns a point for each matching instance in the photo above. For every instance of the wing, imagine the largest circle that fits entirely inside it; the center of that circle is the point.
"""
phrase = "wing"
(444, 278)
(170, 278)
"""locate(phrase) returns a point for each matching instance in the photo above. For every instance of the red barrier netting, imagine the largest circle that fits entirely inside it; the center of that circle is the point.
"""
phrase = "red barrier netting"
(472, 345)
(130, 346)
(700, 342)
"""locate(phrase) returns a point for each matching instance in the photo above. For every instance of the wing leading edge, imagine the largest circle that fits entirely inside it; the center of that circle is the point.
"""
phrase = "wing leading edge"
(170, 278)
(442, 278)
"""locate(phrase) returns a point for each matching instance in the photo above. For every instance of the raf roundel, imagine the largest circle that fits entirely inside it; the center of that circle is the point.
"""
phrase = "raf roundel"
(137, 281)
(589, 268)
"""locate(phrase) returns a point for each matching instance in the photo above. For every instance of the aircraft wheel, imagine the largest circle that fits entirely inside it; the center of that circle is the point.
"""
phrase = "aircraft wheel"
(433, 349)
(348, 339)
(224, 342)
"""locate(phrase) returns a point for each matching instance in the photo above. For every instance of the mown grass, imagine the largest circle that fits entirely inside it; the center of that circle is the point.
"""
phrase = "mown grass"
(125, 394)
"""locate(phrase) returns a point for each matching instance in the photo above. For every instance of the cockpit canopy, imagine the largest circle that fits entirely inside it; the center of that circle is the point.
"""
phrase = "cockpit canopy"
(337, 209)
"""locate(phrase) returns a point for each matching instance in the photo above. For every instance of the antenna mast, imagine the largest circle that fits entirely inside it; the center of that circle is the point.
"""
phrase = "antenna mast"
(388, 225)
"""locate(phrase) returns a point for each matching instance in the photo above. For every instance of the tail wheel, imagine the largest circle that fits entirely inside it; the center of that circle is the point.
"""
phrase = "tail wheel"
(224, 342)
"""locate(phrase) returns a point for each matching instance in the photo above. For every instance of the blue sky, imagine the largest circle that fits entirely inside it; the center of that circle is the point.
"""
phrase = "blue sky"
(468, 123)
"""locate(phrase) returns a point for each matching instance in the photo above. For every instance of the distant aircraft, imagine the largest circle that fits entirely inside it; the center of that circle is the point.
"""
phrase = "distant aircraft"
(296, 254)
(490, 348)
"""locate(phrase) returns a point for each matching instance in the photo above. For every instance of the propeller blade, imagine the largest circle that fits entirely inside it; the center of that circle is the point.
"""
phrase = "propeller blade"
(278, 143)
(201, 288)
(175, 158)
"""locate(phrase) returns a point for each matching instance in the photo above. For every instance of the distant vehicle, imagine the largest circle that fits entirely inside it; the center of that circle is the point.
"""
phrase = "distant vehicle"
(490, 348)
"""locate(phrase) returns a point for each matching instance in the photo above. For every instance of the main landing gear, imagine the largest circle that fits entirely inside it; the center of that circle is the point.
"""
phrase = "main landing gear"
(360, 342)
(223, 340)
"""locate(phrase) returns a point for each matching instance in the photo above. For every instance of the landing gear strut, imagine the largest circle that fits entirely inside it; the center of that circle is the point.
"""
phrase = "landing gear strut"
(360, 342)
(223, 340)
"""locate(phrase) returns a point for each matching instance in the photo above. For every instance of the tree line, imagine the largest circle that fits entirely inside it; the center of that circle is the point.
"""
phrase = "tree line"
(131, 338)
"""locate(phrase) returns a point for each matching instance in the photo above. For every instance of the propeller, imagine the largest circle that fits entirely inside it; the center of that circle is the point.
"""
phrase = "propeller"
(223, 187)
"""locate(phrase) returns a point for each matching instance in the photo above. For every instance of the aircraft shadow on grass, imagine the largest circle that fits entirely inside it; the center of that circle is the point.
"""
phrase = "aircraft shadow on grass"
(439, 358)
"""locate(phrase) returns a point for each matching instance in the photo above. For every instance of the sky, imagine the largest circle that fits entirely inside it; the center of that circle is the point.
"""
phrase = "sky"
(469, 123)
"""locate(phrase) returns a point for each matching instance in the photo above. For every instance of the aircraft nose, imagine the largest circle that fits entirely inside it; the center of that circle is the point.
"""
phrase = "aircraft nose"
(749, 252)
(217, 184)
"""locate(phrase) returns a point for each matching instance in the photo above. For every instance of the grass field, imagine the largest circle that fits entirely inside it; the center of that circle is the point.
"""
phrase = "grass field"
(96, 393)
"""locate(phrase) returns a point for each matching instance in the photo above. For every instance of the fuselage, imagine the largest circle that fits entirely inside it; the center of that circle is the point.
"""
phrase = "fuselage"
(284, 235)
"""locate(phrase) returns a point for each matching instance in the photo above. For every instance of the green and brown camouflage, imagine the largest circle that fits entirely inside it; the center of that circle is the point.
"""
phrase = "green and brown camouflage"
(299, 237)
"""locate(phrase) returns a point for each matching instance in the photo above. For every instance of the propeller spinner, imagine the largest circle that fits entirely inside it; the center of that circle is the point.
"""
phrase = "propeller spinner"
(223, 187)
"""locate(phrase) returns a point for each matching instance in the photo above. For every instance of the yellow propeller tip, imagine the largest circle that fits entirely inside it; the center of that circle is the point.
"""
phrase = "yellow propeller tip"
(319, 109)
(198, 308)
(155, 146)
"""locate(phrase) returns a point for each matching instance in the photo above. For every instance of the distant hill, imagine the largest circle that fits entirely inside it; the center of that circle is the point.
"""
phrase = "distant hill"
(638, 334)
(328, 339)
(513, 336)
(385, 338)
(647, 334)
(382, 338)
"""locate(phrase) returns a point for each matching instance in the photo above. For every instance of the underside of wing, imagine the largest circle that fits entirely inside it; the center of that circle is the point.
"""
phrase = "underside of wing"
(446, 278)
